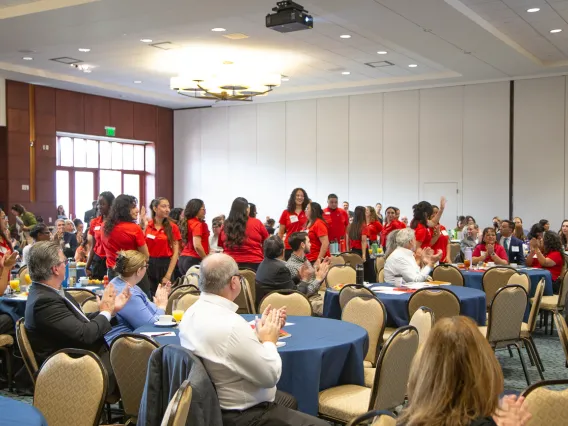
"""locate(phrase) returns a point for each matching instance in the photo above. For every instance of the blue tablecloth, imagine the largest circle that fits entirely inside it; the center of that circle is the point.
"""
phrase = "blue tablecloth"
(473, 279)
(16, 308)
(472, 303)
(319, 354)
(17, 413)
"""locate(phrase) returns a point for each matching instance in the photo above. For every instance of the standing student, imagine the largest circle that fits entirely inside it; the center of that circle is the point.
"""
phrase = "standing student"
(318, 233)
(374, 226)
(358, 241)
(162, 238)
(242, 236)
(337, 219)
(440, 238)
(293, 219)
(550, 256)
(391, 224)
(424, 220)
(96, 262)
(195, 235)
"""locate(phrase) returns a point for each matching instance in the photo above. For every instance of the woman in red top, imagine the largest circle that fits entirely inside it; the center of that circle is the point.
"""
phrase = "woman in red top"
(293, 219)
(317, 232)
(242, 236)
(5, 242)
(162, 238)
(374, 226)
(489, 250)
(424, 219)
(551, 257)
(440, 239)
(96, 267)
(358, 237)
(195, 235)
(391, 224)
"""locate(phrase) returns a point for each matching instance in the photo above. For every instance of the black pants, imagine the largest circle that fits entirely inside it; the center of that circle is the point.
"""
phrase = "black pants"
(157, 269)
(281, 412)
(287, 254)
(247, 265)
(368, 267)
(186, 262)
(98, 267)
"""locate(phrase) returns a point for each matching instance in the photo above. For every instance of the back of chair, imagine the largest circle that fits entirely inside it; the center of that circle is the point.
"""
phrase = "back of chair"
(244, 299)
(379, 263)
(22, 272)
(71, 390)
(350, 291)
(177, 293)
(336, 260)
(367, 312)
(381, 276)
(90, 305)
(448, 273)
(393, 369)
(562, 332)
(340, 275)
(495, 278)
(352, 259)
(81, 294)
(187, 299)
(506, 314)
(535, 307)
(129, 355)
(441, 301)
(190, 279)
(455, 250)
(296, 303)
(250, 276)
(547, 406)
(562, 292)
(423, 320)
(378, 418)
(194, 270)
(26, 349)
(522, 279)
(178, 409)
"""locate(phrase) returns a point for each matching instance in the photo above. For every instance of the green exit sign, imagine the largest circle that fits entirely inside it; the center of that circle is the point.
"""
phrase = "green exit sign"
(110, 131)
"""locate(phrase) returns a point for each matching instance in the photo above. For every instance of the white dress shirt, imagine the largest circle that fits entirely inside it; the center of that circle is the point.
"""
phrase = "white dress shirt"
(402, 262)
(243, 370)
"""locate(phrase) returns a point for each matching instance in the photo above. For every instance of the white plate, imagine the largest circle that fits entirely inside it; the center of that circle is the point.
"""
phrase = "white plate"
(280, 344)
(165, 324)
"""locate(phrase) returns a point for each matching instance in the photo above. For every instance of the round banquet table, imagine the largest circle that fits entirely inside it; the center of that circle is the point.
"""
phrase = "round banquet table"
(17, 413)
(472, 304)
(472, 279)
(319, 354)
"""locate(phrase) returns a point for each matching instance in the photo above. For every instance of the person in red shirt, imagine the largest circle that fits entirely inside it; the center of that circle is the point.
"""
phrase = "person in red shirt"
(440, 239)
(337, 219)
(242, 236)
(162, 238)
(5, 242)
(96, 267)
(195, 235)
(318, 233)
(293, 219)
(358, 234)
(374, 226)
(489, 250)
(391, 224)
(547, 253)
(424, 219)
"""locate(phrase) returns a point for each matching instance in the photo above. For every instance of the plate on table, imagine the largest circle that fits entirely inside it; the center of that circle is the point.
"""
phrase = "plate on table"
(165, 323)
(439, 283)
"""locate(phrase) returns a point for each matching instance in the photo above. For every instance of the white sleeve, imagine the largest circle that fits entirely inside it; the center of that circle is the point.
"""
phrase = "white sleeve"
(411, 272)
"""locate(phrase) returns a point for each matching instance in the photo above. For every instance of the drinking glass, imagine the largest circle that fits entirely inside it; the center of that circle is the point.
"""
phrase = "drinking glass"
(466, 263)
(177, 310)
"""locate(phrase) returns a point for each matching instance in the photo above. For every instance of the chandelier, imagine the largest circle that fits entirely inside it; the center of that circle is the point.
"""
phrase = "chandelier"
(228, 83)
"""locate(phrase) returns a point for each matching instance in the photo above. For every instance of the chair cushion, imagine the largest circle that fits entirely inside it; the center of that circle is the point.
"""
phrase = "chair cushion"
(549, 303)
(367, 364)
(6, 340)
(344, 402)
(483, 330)
(369, 376)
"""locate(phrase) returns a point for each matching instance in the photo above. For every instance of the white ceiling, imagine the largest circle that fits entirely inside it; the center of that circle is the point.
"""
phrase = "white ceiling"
(451, 41)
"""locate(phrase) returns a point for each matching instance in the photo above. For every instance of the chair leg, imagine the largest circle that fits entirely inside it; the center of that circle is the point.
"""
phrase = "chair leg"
(510, 351)
(551, 324)
(523, 364)
(531, 350)
(535, 350)
(529, 353)
(8, 362)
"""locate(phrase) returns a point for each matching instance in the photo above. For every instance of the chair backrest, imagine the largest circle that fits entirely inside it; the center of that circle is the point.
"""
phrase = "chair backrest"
(340, 274)
(495, 278)
(71, 390)
(350, 291)
(80, 294)
(336, 260)
(129, 355)
(250, 276)
(177, 293)
(506, 314)
(562, 332)
(562, 292)
(521, 279)
(378, 418)
(448, 273)
(423, 320)
(187, 299)
(535, 307)
(22, 272)
(352, 259)
(178, 409)
(296, 303)
(194, 270)
(379, 263)
(90, 305)
(190, 279)
(244, 299)
(26, 349)
(547, 406)
(455, 250)
(370, 313)
(441, 301)
(393, 369)
(381, 276)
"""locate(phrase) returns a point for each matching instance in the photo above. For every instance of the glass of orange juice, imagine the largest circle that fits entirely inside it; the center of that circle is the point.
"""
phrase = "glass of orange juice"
(15, 285)
(177, 311)
(466, 263)
(28, 279)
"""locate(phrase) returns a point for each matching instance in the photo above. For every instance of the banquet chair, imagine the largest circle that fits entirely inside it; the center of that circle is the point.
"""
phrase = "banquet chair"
(190, 279)
(296, 303)
(177, 293)
(423, 320)
(448, 273)
(554, 303)
(381, 276)
(80, 294)
(379, 263)
(194, 270)
(244, 299)
(6, 344)
(350, 291)
(178, 409)
(352, 259)
(521, 279)
(71, 390)
(90, 305)
(495, 278)
(250, 276)
(22, 272)
(455, 250)
(26, 350)
(340, 274)
(336, 260)
(506, 314)
(187, 299)
(129, 355)
(527, 328)
(378, 418)
(441, 301)
(345, 402)
(547, 406)
(562, 333)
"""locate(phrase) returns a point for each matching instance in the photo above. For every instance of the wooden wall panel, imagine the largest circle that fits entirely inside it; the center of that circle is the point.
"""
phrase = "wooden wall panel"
(122, 117)
(17, 95)
(97, 115)
(3, 166)
(145, 122)
(165, 154)
(69, 112)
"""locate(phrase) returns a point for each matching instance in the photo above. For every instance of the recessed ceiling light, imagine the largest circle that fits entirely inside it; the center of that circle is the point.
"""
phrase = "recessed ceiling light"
(556, 31)
(218, 30)
(28, 58)
(345, 36)
(382, 52)
(533, 9)
(285, 78)
(87, 71)
(146, 40)
(345, 73)
(412, 66)
(137, 81)
(84, 49)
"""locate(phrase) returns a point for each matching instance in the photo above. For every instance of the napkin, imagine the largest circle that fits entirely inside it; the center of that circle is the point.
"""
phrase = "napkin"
(158, 333)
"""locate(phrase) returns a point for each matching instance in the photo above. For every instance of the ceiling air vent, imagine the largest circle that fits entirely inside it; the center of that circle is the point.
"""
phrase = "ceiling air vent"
(379, 64)
(236, 36)
(66, 60)
(164, 45)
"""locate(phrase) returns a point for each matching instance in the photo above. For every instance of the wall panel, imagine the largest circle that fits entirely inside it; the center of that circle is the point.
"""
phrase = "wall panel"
(242, 153)
(122, 117)
(97, 115)
(70, 115)
(187, 159)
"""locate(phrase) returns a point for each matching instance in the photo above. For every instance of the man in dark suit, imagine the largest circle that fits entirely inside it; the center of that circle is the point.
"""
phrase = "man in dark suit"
(90, 214)
(54, 320)
(512, 245)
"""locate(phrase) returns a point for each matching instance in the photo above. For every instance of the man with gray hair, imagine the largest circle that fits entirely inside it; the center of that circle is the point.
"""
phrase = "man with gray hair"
(403, 260)
(471, 238)
(243, 364)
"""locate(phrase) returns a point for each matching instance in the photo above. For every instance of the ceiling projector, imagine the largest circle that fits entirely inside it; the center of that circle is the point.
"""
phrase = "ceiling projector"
(288, 17)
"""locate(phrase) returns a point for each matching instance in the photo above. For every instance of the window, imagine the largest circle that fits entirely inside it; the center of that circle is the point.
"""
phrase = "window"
(62, 188)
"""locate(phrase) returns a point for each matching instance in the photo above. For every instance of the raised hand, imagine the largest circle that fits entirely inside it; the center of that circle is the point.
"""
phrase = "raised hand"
(161, 297)
(442, 203)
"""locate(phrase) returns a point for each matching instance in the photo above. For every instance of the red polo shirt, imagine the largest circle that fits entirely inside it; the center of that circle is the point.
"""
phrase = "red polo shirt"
(250, 251)
(374, 229)
(95, 230)
(157, 240)
(388, 228)
(499, 251)
(124, 236)
(555, 270)
(317, 230)
(4, 248)
(337, 221)
(442, 243)
(424, 235)
(357, 244)
(196, 228)
(293, 223)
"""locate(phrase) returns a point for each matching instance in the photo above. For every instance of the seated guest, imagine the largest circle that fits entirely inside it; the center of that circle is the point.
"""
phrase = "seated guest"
(66, 240)
(402, 261)
(244, 364)
(80, 227)
(519, 232)
(391, 243)
(460, 225)
(54, 320)
(70, 226)
(471, 239)
(131, 266)
(489, 250)
(563, 233)
(303, 272)
(81, 252)
(536, 232)
(216, 225)
(39, 232)
(512, 245)
(456, 381)
(6, 264)
(548, 256)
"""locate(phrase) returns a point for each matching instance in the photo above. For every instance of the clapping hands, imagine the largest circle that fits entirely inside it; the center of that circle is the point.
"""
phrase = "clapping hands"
(512, 412)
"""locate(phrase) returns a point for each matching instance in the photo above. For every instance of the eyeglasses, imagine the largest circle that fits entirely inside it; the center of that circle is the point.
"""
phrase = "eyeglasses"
(65, 262)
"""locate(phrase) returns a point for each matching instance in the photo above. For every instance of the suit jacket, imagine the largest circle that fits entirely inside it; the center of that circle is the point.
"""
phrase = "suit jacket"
(273, 274)
(516, 255)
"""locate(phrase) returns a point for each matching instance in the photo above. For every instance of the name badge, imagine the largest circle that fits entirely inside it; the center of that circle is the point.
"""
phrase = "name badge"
(445, 233)
(97, 228)
(67, 245)
(515, 249)
(151, 236)
(3, 250)
(329, 213)
(293, 219)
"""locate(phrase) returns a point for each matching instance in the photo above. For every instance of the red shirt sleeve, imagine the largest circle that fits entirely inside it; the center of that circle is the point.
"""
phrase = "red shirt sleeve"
(378, 226)
(500, 251)
(421, 233)
(284, 218)
(197, 228)
(476, 251)
(140, 237)
(221, 239)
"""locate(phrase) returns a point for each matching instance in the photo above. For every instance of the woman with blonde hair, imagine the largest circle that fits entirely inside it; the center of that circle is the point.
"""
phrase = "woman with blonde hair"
(130, 267)
(455, 380)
